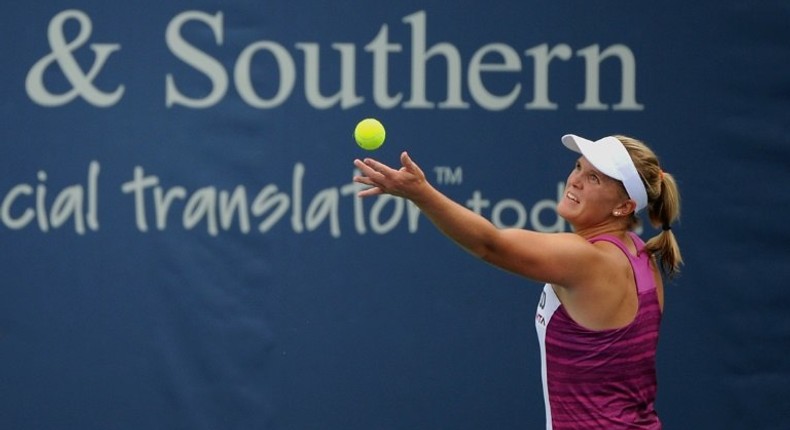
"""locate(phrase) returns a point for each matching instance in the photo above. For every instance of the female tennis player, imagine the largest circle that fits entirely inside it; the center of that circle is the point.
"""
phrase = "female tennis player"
(598, 316)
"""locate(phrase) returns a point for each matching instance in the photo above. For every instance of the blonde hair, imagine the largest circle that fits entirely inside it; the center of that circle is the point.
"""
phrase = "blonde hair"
(663, 205)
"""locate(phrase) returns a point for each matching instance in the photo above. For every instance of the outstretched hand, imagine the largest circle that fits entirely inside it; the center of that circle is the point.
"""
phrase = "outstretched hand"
(408, 181)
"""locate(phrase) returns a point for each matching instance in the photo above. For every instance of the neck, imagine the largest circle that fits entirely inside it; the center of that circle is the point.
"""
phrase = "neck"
(614, 229)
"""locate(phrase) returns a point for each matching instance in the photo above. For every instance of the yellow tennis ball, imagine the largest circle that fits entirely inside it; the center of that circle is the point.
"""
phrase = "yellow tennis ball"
(369, 134)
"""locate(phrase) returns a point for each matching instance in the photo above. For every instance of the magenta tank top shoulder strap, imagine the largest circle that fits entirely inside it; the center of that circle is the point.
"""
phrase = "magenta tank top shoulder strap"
(639, 262)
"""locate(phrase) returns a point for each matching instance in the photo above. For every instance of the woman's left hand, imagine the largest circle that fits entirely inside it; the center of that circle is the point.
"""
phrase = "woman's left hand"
(408, 181)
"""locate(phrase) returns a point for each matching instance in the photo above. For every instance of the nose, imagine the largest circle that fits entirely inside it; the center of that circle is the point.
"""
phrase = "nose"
(574, 179)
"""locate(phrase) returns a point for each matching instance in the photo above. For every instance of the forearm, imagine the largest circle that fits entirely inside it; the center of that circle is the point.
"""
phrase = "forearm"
(468, 229)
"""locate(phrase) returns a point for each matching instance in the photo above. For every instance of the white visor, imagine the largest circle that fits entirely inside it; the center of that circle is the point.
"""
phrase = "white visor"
(610, 157)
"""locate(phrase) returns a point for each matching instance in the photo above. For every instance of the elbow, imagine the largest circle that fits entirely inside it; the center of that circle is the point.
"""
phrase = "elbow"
(488, 253)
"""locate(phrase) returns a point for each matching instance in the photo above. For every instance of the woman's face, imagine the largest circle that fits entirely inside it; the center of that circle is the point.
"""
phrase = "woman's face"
(590, 196)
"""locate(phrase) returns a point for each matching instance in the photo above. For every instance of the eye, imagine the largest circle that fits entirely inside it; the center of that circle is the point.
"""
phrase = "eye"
(594, 178)
(578, 166)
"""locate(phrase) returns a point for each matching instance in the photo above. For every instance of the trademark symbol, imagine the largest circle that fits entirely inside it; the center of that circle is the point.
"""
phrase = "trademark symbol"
(446, 175)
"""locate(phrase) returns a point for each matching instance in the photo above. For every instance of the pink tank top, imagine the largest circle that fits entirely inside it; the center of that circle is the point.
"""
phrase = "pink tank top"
(601, 379)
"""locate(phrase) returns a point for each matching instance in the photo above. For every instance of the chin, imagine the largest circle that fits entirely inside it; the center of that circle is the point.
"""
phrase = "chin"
(564, 211)
(568, 214)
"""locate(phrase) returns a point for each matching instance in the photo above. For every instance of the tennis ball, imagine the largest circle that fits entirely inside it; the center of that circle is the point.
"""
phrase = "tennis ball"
(369, 134)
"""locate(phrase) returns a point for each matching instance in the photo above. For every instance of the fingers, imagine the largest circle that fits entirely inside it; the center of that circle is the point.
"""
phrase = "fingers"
(369, 176)
(370, 192)
(364, 180)
(384, 180)
(370, 166)
(373, 189)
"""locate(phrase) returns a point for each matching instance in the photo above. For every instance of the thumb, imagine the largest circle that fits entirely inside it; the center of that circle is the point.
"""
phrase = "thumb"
(410, 166)
(407, 162)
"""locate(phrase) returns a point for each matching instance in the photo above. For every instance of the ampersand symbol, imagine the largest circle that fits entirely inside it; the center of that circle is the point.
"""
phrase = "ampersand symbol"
(82, 83)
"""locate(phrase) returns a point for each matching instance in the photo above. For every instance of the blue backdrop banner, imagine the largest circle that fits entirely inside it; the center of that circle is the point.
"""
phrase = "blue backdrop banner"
(183, 248)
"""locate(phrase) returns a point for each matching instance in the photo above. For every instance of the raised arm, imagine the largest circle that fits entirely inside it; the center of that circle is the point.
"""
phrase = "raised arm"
(544, 257)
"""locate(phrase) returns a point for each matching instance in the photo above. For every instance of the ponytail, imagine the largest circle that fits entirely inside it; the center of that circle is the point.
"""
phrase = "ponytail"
(664, 211)
(663, 207)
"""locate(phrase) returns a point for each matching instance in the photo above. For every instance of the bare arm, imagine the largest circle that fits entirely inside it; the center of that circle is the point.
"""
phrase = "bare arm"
(545, 257)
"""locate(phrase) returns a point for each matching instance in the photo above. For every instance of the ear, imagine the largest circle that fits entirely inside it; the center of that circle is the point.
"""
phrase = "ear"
(626, 208)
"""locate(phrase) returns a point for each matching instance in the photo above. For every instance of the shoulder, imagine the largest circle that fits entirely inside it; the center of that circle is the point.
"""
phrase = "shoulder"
(588, 263)
(600, 263)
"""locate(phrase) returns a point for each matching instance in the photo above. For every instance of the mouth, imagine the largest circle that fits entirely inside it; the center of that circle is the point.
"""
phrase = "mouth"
(572, 197)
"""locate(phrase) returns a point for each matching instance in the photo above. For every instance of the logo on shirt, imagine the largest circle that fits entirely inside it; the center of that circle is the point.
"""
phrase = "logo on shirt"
(542, 303)
(539, 318)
